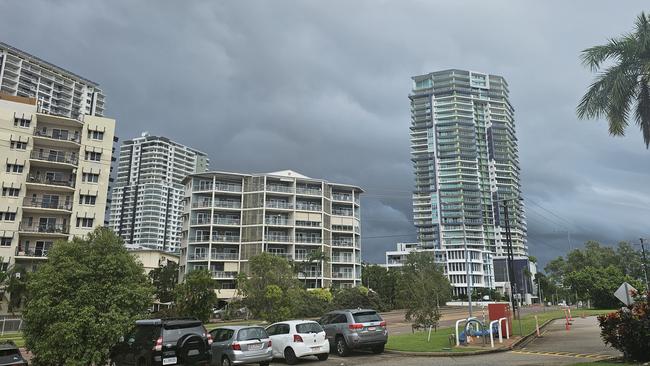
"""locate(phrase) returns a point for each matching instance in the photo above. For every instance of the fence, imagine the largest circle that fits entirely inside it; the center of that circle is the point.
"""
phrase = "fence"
(10, 323)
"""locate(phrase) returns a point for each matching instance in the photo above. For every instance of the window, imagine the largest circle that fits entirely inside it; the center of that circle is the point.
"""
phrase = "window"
(94, 156)
(247, 334)
(339, 319)
(18, 145)
(8, 216)
(86, 199)
(366, 317)
(85, 222)
(15, 168)
(11, 192)
(306, 328)
(95, 135)
(21, 122)
(90, 177)
(5, 241)
(222, 335)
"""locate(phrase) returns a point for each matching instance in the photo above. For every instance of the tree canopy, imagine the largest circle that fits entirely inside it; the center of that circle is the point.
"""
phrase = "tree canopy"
(165, 279)
(87, 295)
(196, 296)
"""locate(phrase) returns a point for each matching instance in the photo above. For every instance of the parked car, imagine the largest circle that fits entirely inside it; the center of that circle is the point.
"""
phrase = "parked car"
(298, 338)
(157, 342)
(238, 345)
(10, 354)
(350, 329)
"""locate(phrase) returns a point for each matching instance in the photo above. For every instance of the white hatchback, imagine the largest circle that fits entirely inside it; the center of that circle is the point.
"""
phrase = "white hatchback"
(298, 338)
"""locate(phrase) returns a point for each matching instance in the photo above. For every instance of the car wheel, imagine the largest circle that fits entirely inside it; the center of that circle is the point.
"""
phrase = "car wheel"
(378, 349)
(342, 348)
(290, 356)
(225, 361)
(323, 356)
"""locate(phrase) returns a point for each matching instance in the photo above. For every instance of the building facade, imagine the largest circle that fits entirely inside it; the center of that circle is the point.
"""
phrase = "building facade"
(146, 202)
(230, 217)
(465, 156)
(57, 91)
(54, 176)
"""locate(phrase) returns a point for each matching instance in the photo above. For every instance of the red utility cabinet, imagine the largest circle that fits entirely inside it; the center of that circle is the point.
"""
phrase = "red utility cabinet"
(501, 310)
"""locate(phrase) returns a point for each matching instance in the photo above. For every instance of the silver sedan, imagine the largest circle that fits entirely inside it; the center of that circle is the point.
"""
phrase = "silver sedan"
(239, 345)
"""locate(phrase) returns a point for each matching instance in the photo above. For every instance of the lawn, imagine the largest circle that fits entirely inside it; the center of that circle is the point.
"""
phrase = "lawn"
(16, 337)
(440, 340)
(604, 363)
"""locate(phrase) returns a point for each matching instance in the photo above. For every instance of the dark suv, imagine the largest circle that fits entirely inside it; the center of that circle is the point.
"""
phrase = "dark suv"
(158, 342)
(10, 354)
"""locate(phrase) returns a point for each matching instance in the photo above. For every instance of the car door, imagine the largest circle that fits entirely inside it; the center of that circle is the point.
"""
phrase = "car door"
(280, 338)
(221, 340)
(325, 323)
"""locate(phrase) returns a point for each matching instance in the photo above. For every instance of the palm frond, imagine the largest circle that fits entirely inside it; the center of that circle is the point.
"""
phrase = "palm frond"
(594, 57)
(642, 114)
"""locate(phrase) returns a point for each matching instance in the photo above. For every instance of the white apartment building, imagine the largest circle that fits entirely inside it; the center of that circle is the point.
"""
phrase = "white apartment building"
(57, 91)
(230, 217)
(146, 202)
(54, 177)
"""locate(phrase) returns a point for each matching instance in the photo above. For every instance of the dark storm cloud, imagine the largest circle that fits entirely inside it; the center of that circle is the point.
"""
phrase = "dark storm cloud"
(321, 88)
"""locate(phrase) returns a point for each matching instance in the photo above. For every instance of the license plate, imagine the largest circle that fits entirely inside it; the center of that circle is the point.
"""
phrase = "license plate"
(372, 328)
(315, 348)
(169, 361)
(255, 347)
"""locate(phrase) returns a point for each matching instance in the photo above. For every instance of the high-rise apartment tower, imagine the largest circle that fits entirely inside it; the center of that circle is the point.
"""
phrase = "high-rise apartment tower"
(464, 151)
(146, 204)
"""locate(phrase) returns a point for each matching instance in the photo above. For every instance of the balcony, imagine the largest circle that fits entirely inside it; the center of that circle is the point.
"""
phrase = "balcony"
(309, 239)
(47, 204)
(314, 224)
(53, 159)
(225, 221)
(200, 239)
(343, 275)
(32, 252)
(201, 204)
(279, 188)
(200, 221)
(342, 259)
(276, 238)
(275, 221)
(202, 187)
(56, 135)
(342, 197)
(341, 212)
(280, 205)
(224, 275)
(222, 256)
(227, 187)
(309, 191)
(287, 256)
(197, 257)
(225, 238)
(343, 242)
(310, 274)
(54, 229)
(304, 206)
(227, 204)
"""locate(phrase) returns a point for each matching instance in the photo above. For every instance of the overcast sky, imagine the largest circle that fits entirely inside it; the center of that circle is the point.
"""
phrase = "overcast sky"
(321, 87)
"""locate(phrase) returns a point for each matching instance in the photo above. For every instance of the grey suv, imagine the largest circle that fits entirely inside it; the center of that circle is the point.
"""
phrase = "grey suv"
(357, 328)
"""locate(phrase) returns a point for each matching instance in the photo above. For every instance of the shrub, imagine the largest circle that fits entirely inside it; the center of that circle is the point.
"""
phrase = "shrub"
(628, 330)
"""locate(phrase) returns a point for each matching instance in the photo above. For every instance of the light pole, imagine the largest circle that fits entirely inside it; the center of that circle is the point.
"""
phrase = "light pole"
(645, 266)
(468, 278)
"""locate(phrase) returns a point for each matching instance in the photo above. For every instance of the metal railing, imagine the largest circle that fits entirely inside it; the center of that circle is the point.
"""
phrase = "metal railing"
(217, 237)
(50, 228)
(197, 256)
(221, 256)
(308, 206)
(276, 221)
(227, 204)
(283, 255)
(200, 204)
(32, 252)
(275, 204)
(200, 221)
(31, 202)
(198, 239)
(62, 137)
(308, 223)
(310, 274)
(309, 191)
(343, 259)
(309, 239)
(342, 197)
(222, 274)
(225, 221)
(227, 187)
(279, 188)
(278, 238)
(342, 212)
(343, 242)
(50, 181)
(67, 158)
(342, 275)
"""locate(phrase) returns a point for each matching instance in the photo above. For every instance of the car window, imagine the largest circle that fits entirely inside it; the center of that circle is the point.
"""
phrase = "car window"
(325, 319)
(222, 334)
(282, 329)
(246, 334)
(271, 330)
(339, 319)
(145, 334)
(172, 333)
(9, 352)
(366, 317)
(310, 327)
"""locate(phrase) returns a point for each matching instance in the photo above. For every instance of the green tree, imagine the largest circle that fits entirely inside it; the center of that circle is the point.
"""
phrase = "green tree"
(623, 88)
(423, 287)
(87, 295)
(16, 281)
(267, 286)
(196, 295)
(356, 297)
(384, 282)
(165, 279)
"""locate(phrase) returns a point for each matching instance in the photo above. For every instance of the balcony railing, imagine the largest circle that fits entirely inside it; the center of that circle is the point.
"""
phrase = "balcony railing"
(197, 256)
(342, 275)
(46, 180)
(279, 188)
(200, 221)
(309, 191)
(276, 204)
(342, 197)
(233, 238)
(49, 229)
(227, 204)
(32, 252)
(200, 204)
(283, 255)
(203, 187)
(222, 274)
(30, 202)
(198, 239)
(343, 259)
(278, 238)
(227, 187)
(277, 221)
(343, 242)
(226, 221)
(310, 274)
(309, 239)
(308, 223)
(67, 158)
(342, 212)
(220, 256)
(59, 136)
(308, 206)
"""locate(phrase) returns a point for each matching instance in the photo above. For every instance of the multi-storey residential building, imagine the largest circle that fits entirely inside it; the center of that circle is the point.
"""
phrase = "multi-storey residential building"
(231, 217)
(54, 176)
(464, 151)
(146, 201)
(57, 91)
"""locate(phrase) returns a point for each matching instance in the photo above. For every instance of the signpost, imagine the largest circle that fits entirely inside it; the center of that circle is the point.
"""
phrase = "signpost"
(624, 293)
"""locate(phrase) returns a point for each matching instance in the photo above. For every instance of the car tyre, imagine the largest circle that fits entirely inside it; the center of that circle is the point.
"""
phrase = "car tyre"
(225, 361)
(342, 348)
(323, 356)
(290, 356)
(378, 349)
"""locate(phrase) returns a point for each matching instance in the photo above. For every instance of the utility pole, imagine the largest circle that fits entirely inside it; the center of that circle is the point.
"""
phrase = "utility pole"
(511, 266)
(468, 278)
(645, 266)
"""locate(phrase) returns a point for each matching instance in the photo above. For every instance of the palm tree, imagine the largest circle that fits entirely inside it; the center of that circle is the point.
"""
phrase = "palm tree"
(622, 88)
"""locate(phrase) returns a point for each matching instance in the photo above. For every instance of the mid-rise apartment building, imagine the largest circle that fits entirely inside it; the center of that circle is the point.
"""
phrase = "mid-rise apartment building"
(54, 178)
(57, 91)
(465, 155)
(146, 204)
(230, 217)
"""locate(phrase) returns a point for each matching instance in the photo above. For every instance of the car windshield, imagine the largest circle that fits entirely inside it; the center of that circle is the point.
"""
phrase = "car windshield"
(172, 333)
(9, 352)
(247, 334)
(366, 317)
(310, 327)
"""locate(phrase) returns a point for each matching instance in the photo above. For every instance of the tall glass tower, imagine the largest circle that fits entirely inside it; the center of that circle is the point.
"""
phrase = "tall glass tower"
(465, 156)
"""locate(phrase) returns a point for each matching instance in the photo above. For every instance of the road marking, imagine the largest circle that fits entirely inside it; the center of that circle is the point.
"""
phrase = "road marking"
(565, 354)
